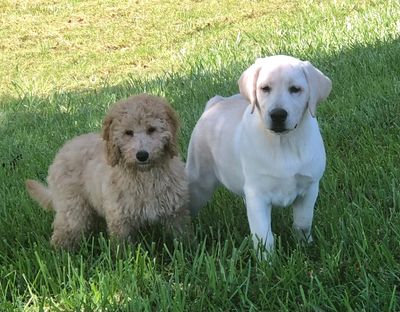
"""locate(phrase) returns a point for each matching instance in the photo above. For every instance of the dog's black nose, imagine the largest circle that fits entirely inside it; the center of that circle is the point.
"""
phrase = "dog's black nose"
(278, 115)
(142, 155)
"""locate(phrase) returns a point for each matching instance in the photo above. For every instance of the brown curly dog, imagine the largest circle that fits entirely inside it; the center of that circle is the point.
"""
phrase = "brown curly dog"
(130, 175)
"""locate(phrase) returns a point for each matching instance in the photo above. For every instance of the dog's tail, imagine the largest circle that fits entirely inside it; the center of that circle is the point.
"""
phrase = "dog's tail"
(40, 193)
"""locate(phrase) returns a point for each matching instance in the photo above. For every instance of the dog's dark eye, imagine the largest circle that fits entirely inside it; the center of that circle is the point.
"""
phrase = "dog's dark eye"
(294, 89)
(129, 132)
(266, 89)
(150, 130)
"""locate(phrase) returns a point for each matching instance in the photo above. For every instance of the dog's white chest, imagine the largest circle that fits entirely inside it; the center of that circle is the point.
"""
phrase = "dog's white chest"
(283, 168)
(283, 191)
(280, 180)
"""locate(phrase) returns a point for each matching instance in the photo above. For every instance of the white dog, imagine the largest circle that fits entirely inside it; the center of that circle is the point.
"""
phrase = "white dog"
(270, 152)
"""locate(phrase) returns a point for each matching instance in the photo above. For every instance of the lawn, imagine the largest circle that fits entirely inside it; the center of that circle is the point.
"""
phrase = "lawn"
(63, 63)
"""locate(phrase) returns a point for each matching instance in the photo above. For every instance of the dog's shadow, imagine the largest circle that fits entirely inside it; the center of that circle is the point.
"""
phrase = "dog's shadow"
(152, 239)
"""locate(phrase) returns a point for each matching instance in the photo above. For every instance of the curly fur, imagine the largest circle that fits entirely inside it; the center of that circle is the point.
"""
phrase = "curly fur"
(100, 175)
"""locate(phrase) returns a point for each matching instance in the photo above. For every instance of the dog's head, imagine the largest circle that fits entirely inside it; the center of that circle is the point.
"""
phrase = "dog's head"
(140, 131)
(281, 88)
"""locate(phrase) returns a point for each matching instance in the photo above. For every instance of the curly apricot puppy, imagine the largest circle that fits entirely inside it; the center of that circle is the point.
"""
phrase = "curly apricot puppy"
(130, 175)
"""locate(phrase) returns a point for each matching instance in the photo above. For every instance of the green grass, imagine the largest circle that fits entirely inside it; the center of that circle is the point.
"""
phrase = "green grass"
(62, 63)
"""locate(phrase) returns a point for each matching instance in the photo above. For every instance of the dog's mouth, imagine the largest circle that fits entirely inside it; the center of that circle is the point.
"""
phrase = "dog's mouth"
(281, 129)
(143, 165)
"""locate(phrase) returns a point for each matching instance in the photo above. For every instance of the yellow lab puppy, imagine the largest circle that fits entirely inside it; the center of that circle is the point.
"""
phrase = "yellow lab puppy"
(263, 144)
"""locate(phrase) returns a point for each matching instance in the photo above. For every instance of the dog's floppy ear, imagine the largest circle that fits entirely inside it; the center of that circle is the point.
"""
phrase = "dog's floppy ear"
(320, 86)
(113, 153)
(248, 84)
(173, 148)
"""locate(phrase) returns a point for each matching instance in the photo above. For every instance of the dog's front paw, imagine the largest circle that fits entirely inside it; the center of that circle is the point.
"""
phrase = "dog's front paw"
(180, 226)
(303, 234)
(264, 249)
(68, 242)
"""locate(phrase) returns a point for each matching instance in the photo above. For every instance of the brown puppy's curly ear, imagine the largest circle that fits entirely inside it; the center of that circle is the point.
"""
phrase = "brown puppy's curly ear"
(113, 153)
(172, 146)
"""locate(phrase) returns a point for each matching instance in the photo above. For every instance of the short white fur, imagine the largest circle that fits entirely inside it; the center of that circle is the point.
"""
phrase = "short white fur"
(234, 144)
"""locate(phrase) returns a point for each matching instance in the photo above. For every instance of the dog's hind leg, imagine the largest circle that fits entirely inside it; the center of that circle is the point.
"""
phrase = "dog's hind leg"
(200, 193)
(201, 188)
(200, 171)
(74, 218)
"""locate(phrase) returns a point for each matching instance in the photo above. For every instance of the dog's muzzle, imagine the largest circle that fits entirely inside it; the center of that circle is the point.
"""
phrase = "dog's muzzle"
(142, 160)
(278, 117)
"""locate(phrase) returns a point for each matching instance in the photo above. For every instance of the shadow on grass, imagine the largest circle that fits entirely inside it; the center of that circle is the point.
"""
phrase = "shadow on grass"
(359, 123)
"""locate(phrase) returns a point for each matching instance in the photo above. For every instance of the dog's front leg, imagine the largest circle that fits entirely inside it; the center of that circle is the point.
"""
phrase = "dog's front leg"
(259, 216)
(179, 224)
(119, 227)
(303, 212)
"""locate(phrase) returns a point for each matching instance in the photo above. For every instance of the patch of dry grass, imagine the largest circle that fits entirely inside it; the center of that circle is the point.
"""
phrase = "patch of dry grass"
(63, 45)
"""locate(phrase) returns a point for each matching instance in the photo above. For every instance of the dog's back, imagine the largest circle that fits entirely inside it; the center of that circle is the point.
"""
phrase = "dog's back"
(214, 135)
(68, 169)
(72, 158)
